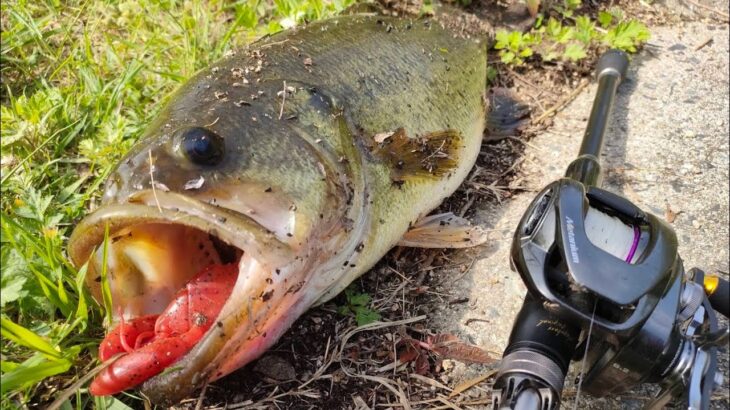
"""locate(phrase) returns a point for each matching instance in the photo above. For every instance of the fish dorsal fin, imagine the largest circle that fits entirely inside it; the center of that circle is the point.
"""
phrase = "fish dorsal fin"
(443, 231)
(429, 155)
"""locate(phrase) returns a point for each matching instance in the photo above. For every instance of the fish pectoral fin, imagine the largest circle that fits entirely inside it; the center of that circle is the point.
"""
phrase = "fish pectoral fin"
(443, 231)
(507, 114)
(429, 155)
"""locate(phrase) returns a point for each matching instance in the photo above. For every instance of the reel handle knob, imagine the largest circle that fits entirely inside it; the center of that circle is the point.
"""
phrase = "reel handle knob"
(718, 293)
(614, 62)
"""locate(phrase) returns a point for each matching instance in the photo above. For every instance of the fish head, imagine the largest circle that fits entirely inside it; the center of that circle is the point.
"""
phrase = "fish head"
(215, 180)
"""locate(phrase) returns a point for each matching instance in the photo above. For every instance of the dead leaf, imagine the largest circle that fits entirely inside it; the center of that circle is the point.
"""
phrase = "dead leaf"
(670, 215)
(408, 354)
(276, 368)
(382, 136)
(429, 381)
(354, 353)
(468, 384)
(451, 347)
(422, 366)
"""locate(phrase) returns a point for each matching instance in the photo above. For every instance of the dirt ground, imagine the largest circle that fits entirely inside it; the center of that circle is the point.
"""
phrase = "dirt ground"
(667, 151)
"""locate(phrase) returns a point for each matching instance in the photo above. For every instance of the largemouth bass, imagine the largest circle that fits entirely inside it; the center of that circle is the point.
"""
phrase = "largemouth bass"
(272, 180)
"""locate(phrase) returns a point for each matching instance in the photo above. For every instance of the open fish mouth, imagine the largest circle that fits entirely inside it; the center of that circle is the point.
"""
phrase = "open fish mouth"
(194, 287)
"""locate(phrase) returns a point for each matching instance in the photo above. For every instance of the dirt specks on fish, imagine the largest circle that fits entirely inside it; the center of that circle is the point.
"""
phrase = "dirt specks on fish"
(382, 136)
(237, 72)
(194, 183)
(221, 95)
(267, 295)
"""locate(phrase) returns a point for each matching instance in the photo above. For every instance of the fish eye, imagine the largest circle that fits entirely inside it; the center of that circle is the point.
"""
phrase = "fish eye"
(202, 146)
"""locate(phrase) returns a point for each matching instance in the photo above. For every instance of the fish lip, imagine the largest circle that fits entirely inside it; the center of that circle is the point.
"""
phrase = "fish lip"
(150, 206)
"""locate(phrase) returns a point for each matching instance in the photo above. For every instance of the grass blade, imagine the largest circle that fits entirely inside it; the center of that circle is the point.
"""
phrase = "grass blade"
(32, 371)
(106, 292)
(27, 338)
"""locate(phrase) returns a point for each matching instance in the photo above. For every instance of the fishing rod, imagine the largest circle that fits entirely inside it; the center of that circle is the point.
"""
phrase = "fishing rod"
(607, 289)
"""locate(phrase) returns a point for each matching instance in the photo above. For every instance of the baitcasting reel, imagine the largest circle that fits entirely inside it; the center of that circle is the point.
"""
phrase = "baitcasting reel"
(607, 287)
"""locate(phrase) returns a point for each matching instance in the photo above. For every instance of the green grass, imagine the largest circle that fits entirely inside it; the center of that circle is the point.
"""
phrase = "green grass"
(80, 80)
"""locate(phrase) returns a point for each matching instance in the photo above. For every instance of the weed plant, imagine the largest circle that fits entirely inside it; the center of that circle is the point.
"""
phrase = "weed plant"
(561, 33)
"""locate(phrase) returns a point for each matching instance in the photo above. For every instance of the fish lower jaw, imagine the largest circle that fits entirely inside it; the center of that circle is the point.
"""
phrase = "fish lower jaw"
(248, 346)
(261, 307)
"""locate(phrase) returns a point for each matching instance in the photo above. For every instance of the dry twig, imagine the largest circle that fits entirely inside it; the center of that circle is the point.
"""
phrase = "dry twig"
(61, 399)
(283, 100)
(562, 103)
(724, 15)
(152, 181)
(707, 41)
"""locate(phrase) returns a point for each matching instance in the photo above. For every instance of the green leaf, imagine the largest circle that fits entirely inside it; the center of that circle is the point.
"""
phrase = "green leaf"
(605, 18)
(81, 308)
(32, 371)
(61, 291)
(550, 55)
(359, 299)
(12, 289)
(533, 38)
(617, 13)
(626, 35)
(109, 403)
(574, 52)
(24, 337)
(364, 316)
(539, 21)
(572, 4)
(585, 29)
(508, 57)
(553, 26)
(502, 40)
(106, 292)
(515, 40)
(491, 73)
(6, 366)
(558, 32)
(246, 16)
